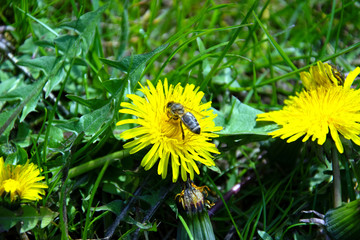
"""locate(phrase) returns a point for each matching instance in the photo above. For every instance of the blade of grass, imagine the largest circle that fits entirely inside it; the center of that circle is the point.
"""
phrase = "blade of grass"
(275, 44)
(226, 49)
(38, 21)
(226, 206)
(322, 51)
(186, 227)
(93, 192)
(346, 50)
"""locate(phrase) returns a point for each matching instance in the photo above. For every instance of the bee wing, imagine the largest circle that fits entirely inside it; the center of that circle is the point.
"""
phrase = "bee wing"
(196, 113)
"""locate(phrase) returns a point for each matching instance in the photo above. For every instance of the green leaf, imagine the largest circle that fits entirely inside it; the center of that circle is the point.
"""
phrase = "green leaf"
(114, 86)
(343, 223)
(68, 45)
(46, 216)
(4, 116)
(7, 219)
(264, 235)
(90, 103)
(114, 206)
(86, 25)
(46, 63)
(21, 93)
(51, 66)
(57, 137)
(144, 226)
(134, 65)
(214, 168)
(89, 123)
(27, 216)
(240, 119)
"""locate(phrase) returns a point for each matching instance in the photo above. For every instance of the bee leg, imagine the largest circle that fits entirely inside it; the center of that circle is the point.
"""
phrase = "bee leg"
(182, 131)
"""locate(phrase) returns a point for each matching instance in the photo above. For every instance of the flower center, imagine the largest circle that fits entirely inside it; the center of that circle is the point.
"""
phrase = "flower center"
(11, 185)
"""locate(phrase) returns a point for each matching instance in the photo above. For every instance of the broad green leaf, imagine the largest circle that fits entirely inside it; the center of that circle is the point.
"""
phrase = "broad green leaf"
(145, 226)
(89, 123)
(114, 206)
(7, 219)
(4, 117)
(57, 137)
(17, 157)
(51, 66)
(46, 216)
(133, 65)
(28, 216)
(46, 63)
(264, 235)
(9, 85)
(90, 103)
(19, 93)
(22, 93)
(115, 86)
(86, 25)
(240, 119)
(54, 81)
(31, 105)
(68, 45)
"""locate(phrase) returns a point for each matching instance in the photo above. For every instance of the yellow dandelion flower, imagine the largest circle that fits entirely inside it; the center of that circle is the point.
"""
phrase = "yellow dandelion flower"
(169, 140)
(323, 74)
(325, 106)
(21, 181)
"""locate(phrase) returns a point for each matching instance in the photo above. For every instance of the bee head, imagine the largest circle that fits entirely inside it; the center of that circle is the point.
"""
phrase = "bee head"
(169, 104)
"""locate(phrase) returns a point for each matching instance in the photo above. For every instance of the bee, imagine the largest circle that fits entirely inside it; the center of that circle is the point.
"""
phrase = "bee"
(176, 111)
(337, 74)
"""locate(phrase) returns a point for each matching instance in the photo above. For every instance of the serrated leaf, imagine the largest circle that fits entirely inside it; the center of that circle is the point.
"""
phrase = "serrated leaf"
(90, 103)
(51, 66)
(89, 123)
(86, 25)
(46, 216)
(4, 116)
(7, 219)
(27, 216)
(45, 63)
(19, 93)
(240, 119)
(30, 106)
(54, 81)
(22, 93)
(115, 86)
(144, 226)
(68, 44)
(134, 65)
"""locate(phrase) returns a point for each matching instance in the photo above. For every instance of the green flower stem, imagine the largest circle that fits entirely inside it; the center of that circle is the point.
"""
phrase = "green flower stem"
(336, 178)
(88, 166)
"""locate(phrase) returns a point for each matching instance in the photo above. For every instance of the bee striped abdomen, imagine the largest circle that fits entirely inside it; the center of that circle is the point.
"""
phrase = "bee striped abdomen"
(190, 122)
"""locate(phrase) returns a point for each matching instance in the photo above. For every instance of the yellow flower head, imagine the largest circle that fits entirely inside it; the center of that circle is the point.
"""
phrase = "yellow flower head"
(325, 105)
(322, 74)
(21, 181)
(164, 133)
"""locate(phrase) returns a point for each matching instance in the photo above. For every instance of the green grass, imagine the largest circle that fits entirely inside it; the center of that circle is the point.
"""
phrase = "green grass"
(79, 60)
